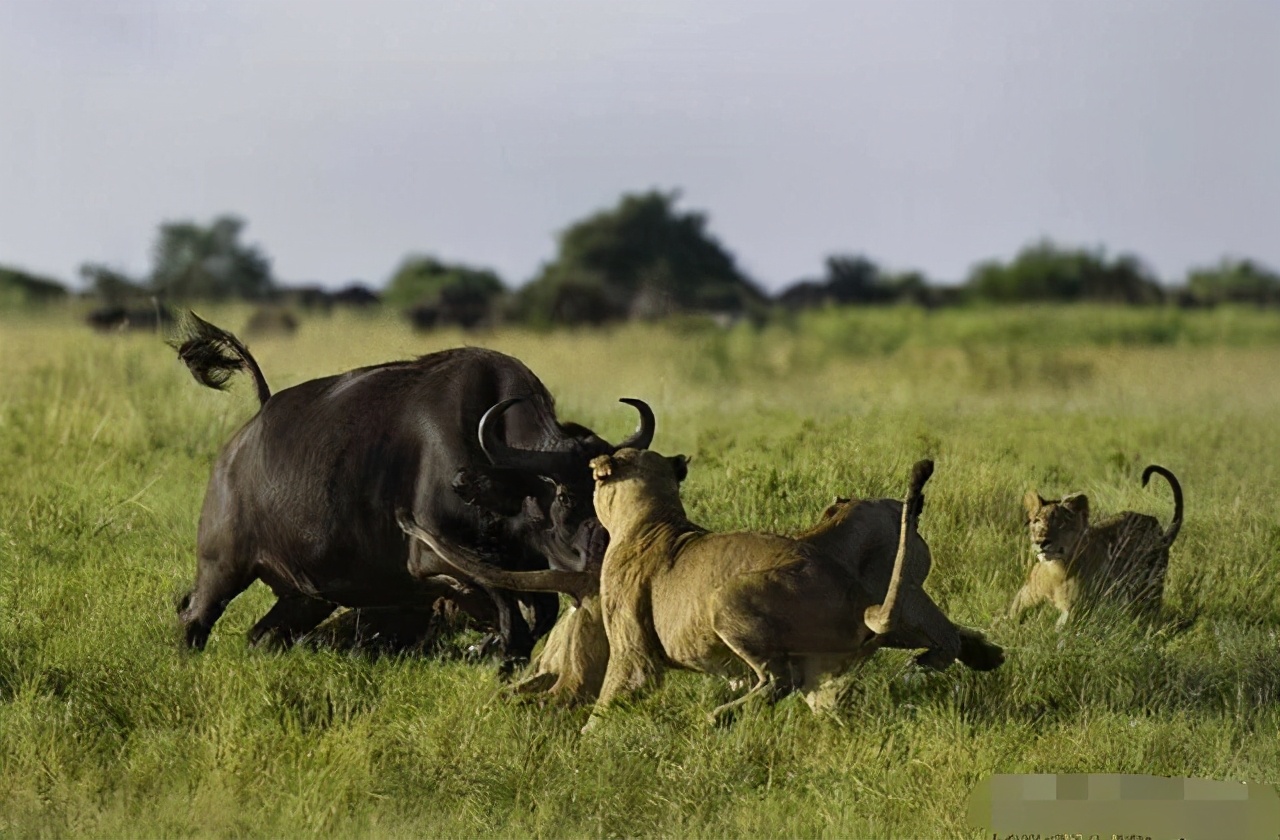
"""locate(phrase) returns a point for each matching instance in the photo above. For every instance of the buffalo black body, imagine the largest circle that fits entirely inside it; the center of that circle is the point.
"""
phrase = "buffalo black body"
(305, 495)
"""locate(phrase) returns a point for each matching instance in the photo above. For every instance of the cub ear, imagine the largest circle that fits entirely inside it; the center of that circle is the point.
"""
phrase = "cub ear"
(1077, 503)
(680, 464)
(1032, 502)
(601, 467)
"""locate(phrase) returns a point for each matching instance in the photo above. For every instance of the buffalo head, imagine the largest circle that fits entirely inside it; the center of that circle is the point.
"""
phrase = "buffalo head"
(546, 493)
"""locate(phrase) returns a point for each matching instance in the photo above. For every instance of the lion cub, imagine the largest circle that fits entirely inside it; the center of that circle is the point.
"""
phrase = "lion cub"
(674, 594)
(1122, 559)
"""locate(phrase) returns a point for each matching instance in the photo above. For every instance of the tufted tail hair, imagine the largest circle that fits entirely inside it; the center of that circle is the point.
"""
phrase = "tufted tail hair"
(214, 355)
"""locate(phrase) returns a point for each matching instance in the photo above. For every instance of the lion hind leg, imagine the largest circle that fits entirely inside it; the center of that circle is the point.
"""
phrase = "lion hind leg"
(924, 625)
(535, 684)
(772, 670)
(773, 681)
(977, 652)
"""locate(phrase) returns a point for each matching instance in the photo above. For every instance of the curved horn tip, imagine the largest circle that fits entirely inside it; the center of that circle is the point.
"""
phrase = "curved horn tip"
(495, 410)
(643, 435)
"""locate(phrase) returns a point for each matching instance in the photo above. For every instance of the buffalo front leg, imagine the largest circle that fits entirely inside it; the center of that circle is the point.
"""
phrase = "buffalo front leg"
(514, 636)
(293, 616)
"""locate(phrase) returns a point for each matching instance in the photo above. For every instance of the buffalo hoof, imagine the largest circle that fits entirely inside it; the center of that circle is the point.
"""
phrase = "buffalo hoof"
(485, 648)
(511, 666)
(935, 660)
(197, 634)
(271, 638)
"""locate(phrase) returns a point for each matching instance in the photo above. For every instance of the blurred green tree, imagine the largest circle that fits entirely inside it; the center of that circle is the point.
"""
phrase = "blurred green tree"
(426, 280)
(643, 258)
(112, 287)
(855, 280)
(192, 261)
(1045, 271)
(21, 288)
(1234, 281)
(433, 293)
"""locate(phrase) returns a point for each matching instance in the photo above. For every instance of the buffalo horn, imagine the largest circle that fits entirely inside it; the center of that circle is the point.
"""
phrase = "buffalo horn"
(501, 455)
(644, 433)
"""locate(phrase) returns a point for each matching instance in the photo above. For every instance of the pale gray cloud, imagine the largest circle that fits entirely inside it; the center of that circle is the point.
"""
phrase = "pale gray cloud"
(927, 134)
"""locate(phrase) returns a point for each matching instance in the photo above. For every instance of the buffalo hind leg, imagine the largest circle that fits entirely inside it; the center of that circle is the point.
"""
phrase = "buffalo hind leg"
(293, 616)
(218, 581)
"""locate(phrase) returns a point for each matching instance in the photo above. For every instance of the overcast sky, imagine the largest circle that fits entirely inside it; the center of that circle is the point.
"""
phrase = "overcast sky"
(927, 135)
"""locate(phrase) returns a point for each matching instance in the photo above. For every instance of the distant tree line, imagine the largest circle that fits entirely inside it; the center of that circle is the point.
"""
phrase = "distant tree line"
(643, 259)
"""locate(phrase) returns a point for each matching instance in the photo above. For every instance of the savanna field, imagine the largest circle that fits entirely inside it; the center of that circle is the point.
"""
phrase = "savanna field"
(109, 727)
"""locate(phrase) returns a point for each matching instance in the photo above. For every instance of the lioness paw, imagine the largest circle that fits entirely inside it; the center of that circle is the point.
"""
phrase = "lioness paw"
(601, 467)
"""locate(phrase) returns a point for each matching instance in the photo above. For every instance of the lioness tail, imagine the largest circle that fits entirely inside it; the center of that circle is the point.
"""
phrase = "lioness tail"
(214, 355)
(879, 618)
(1176, 525)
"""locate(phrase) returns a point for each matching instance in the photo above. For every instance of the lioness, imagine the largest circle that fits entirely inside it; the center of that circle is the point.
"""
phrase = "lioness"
(675, 594)
(1122, 559)
(859, 534)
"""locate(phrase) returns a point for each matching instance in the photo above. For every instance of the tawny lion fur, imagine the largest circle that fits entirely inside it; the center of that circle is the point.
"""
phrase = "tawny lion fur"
(861, 535)
(674, 594)
(1122, 560)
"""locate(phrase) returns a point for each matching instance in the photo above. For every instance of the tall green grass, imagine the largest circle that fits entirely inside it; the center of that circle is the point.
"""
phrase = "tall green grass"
(108, 727)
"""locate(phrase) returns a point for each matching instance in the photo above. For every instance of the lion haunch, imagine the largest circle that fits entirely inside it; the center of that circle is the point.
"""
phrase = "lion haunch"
(1122, 559)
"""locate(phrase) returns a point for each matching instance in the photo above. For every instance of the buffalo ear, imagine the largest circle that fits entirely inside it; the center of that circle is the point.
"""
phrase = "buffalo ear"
(477, 488)
(680, 465)
(1077, 503)
(601, 467)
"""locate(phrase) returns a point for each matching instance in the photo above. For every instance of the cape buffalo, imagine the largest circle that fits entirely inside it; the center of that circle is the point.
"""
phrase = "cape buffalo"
(304, 496)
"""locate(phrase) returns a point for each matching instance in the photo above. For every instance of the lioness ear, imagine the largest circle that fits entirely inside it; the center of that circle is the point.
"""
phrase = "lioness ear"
(1077, 503)
(680, 463)
(601, 467)
(1032, 502)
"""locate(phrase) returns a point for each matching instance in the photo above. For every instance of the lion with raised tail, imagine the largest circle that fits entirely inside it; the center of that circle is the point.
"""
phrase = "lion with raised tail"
(860, 535)
(673, 594)
(1123, 559)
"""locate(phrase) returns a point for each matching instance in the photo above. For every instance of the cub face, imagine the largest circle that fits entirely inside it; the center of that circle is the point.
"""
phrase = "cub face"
(1056, 526)
(631, 480)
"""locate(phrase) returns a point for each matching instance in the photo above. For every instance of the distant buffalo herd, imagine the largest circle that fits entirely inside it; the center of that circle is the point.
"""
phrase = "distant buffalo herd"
(275, 316)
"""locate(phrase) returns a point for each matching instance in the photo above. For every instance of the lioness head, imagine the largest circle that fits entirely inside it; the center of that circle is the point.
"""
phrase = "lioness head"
(632, 482)
(1056, 525)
